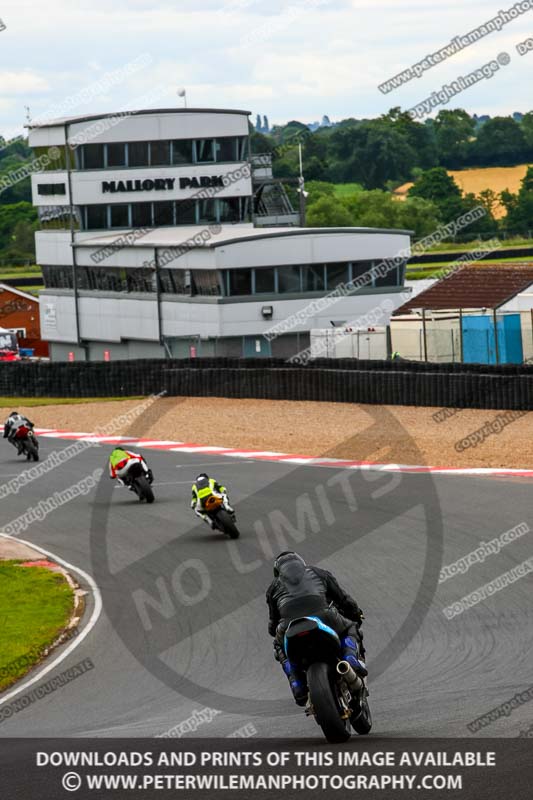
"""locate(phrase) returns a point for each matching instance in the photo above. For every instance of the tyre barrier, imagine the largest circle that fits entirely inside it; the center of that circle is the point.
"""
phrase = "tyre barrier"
(426, 385)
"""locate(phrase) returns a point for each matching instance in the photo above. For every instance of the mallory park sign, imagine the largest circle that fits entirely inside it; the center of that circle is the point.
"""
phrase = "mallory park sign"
(161, 184)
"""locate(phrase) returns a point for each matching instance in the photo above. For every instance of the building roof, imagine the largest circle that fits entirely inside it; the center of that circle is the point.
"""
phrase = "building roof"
(218, 236)
(53, 123)
(5, 287)
(473, 286)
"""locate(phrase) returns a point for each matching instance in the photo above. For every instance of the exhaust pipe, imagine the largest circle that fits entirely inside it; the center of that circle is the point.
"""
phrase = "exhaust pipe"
(350, 676)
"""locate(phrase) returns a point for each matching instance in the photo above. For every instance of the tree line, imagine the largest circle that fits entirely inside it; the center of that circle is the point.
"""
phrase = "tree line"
(18, 218)
(433, 200)
(375, 155)
(385, 152)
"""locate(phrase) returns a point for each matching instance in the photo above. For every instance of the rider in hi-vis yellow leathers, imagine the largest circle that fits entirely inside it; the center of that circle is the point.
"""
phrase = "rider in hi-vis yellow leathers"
(202, 488)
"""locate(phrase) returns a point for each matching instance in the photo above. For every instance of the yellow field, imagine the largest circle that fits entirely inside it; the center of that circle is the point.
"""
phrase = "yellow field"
(476, 180)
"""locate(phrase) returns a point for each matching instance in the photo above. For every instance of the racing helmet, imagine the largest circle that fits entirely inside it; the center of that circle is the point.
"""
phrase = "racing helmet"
(287, 555)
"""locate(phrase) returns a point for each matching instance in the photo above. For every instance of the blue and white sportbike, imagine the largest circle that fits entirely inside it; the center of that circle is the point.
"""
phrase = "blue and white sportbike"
(338, 696)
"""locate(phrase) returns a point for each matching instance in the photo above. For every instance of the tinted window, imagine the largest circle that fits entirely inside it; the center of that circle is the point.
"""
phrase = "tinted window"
(289, 279)
(138, 154)
(389, 279)
(141, 215)
(240, 281)
(119, 216)
(207, 210)
(205, 282)
(313, 278)
(101, 279)
(164, 213)
(336, 274)
(93, 156)
(116, 155)
(50, 188)
(175, 281)
(160, 153)
(229, 209)
(96, 217)
(140, 280)
(58, 277)
(226, 149)
(242, 148)
(360, 268)
(185, 212)
(205, 150)
(58, 217)
(182, 151)
(113, 280)
(264, 280)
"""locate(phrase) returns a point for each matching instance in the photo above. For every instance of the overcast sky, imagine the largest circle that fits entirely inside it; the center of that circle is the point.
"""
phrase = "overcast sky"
(294, 59)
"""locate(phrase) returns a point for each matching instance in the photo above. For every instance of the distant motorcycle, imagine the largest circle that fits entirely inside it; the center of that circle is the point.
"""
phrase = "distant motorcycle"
(222, 518)
(138, 478)
(338, 696)
(27, 440)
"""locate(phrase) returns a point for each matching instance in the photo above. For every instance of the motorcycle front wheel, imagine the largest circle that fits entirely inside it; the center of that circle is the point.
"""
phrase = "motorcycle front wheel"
(362, 722)
(326, 706)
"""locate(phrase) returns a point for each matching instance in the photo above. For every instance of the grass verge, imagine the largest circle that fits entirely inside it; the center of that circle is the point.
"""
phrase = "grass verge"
(31, 402)
(453, 247)
(23, 273)
(35, 606)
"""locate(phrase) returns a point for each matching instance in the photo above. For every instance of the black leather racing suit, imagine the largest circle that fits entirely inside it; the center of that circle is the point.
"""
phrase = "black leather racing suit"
(301, 591)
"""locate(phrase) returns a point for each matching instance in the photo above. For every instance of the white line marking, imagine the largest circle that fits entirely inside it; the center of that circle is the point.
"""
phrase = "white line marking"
(169, 483)
(192, 466)
(97, 610)
(157, 442)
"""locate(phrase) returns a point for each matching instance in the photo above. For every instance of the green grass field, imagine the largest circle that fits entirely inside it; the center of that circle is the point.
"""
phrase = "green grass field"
(35, 607)
(33, 402)
(347, 189)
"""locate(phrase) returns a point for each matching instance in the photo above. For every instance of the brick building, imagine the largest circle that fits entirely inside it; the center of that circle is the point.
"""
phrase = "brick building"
(19, 311)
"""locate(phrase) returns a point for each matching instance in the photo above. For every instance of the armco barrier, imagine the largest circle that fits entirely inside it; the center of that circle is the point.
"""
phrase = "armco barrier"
(343, 381)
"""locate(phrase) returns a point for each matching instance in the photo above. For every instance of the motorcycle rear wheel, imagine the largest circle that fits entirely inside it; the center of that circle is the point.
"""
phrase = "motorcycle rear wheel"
(227, 524)
(327, 710)
(143, 489)
(31, 450)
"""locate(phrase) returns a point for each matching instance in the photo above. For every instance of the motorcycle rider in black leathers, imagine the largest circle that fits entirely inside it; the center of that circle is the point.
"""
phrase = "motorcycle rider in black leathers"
(299, 590)
(11, 426)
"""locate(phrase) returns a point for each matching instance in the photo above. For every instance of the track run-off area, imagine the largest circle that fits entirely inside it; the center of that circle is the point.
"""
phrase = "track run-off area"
(175, 625)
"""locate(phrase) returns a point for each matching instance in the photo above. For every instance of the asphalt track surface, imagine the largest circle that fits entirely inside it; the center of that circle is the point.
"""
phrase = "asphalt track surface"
(201, 641)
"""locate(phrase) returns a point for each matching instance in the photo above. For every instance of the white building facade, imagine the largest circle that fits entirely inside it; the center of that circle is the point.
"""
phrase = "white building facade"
(153, 243)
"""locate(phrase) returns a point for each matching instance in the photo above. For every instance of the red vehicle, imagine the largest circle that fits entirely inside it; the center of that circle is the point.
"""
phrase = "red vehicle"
(9, 349)
(29, 443)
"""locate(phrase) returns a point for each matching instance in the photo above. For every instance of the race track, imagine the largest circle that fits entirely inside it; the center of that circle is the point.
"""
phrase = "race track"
(184, 619)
